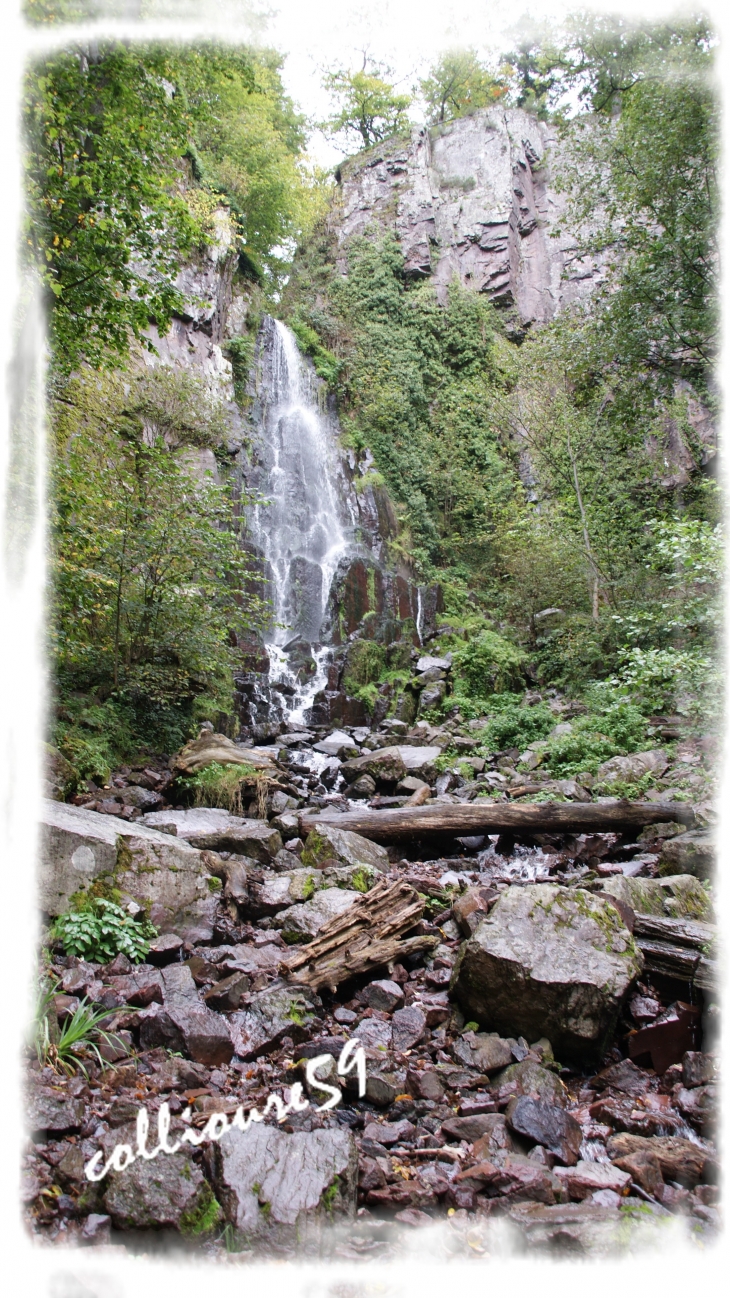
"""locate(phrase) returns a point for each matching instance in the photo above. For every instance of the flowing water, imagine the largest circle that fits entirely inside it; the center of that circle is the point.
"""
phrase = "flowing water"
(300, 527)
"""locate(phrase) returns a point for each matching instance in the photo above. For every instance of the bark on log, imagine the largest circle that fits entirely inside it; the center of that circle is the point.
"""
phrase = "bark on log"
(442, 820)
(369, 935)
(678, 948)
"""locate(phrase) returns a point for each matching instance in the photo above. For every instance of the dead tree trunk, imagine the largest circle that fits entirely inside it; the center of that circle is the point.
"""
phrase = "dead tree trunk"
(678, 948)
(370, 935)
(400, 824)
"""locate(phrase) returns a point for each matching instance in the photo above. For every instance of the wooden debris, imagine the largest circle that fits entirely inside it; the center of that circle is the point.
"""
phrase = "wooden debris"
(399, 824)
(370, 935)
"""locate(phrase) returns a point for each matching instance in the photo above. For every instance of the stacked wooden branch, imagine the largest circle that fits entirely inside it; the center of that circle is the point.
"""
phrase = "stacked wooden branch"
(679, 948)
(369, 935)
(401, 824)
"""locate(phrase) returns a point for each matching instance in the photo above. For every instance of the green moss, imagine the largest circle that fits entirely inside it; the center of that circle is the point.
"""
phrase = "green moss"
(330, 1195)
(203, 1216)
(315, 850)
(214, 885)
(361, 879)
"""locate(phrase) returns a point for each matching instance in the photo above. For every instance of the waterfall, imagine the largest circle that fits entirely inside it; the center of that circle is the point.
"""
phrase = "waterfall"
(298, 525)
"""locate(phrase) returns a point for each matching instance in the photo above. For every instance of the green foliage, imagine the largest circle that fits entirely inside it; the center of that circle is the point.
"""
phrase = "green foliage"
(220, 786)
(148, 573)
(204, 1216)
(240, 351)
(65, 1047)
(488, 664)
(367, 108)
(102, 929)
(458, 83)
(510, 723)
(106, 227)
(326, 365)
(365, 662)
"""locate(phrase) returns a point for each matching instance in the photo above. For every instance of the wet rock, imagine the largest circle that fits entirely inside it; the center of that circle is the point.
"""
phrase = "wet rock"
(179, 1075)
(333, 743)
(283, 1189)
(628, 769)
(205, 1034)
(679, 1159)
(644, 1168)
(80, 845)
(585, 1178)
(363, 787)
(690, 853)
(143, 799)
(302, 923)
(409, 1026)
(272, 1015)
(287, 824)
(140, 987)
(680, 896)
(53, 1110)
(546, 1124)
(164, 949)
(529, 1078)
(424, 1084)
(486, 1051)
(385, 766)
(383, 1087)
(698, 1106)
(326, 843)
(623, 1076)
(432, 695)
(549, 960)
(698, 1068)
(472, 907)
(168, 1191)
(215, 830)
(383, 995)
(374, 1035)
(665, 1041)
(227, 993)
(389, 1133)
(469, 1128)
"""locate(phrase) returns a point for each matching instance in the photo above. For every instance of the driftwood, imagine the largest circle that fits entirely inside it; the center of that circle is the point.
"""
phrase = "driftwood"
(369, 935)
(399, 824)
(678, 948)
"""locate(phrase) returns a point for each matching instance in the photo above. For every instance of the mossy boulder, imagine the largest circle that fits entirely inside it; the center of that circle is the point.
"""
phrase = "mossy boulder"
(678, 895)
(327, 843)
(549, 961)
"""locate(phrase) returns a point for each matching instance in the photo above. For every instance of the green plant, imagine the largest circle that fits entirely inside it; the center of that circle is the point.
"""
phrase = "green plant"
(489, 664)
(101, 930)
(65, 1047)
(223, 786)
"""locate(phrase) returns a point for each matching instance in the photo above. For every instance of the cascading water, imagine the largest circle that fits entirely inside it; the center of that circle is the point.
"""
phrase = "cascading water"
(299, 527)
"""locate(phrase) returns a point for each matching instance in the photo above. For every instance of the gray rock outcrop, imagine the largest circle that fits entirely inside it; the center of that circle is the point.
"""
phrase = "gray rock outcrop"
(549, 961)
(286, 1189)
(473, 200)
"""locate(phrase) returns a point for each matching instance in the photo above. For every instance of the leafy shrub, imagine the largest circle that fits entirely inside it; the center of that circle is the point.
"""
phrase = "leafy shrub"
(326, 365)
(488, 664)
(223, 786)
(512, 724)
(101, 929)
(619, 729)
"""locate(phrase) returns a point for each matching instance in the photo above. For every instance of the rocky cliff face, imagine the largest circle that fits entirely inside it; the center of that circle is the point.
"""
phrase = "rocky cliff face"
(473, 200)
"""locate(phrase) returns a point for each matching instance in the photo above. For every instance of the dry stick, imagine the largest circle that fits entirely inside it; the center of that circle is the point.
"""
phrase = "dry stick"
(401, 824)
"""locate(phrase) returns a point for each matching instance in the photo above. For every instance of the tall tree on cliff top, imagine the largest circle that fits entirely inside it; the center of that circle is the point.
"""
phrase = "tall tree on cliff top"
(368, 109)
(458, 83)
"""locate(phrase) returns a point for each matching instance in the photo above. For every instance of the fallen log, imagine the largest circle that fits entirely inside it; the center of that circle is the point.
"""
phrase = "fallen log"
(369, 935)
(678, 948)
(440, 820)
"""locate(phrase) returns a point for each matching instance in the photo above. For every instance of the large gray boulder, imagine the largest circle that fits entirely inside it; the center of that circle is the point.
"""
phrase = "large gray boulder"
(328, 843)
(284, 1189)
(389, 765)
(690, 853)
(272, 1015)
(215, 830)
(549, 961)
(170, 1191)
(302, 923)
(79, 846)
(633, 767)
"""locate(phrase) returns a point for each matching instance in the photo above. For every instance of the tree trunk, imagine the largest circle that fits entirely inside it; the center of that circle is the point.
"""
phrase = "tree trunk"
(678, 948)
(400, 824)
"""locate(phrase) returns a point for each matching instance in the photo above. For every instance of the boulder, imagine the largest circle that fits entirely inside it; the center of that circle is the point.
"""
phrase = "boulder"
(385, 766)
(680, 1160)
(215, 830)
(170, 1190)
(204, 1033)
(334, 742)
(633, 767)
(382, 994)
(690, 853)
(302, 923)
(427, 661)
(679, 895)
(79, 846)
(546, 1124)
(486, 1051)
(472, 907)
(211, 747)
(582, 1181)
(328, 843)
(409, 1025)
(374, 1035)
(549, 961)
(383, 1086)
(529, 1078)
(285, 1189)
(51, 1109)
(272, 1015)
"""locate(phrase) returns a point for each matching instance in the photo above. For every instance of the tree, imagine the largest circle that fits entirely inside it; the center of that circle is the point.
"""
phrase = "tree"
(368, 106)
(457, 83)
